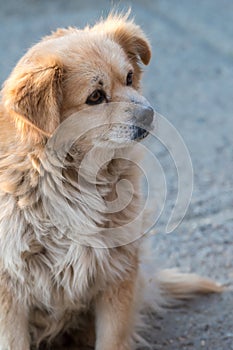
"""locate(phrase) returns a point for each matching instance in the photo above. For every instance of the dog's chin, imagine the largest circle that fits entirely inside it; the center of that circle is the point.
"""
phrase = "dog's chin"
(121, 142)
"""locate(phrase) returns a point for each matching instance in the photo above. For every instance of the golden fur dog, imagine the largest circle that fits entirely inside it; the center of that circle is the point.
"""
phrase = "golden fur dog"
(67, 264)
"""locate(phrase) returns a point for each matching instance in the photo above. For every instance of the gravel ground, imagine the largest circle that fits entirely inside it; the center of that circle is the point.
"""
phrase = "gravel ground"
(190, 81)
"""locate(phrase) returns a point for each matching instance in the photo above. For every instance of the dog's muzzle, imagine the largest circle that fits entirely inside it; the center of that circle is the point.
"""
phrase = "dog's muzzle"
(137, 124)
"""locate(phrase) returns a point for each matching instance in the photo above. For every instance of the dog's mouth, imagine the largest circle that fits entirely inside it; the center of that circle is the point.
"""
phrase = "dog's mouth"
(126, 133)
(139, 133)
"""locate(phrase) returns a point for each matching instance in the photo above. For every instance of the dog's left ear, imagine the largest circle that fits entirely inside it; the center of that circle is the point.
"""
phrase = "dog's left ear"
(128, 35)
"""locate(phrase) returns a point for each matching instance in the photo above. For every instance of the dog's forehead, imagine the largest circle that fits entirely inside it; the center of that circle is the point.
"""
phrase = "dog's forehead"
(91, 50)
(81, 51)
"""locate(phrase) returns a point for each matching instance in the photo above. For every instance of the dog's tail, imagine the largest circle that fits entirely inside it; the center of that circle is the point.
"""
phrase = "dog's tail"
(170, 285)
(180, 286)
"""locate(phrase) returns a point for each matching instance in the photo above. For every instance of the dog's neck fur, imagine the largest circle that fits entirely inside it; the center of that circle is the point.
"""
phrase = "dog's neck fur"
(52, 227)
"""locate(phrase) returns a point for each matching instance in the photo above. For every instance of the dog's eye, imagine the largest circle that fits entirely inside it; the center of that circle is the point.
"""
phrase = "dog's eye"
(97, 97)
(129, 79)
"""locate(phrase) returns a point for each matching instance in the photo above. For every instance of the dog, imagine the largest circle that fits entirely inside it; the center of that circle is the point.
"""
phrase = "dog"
(71, 117)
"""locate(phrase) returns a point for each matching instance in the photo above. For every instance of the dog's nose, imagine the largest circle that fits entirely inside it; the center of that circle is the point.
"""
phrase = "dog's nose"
(144, 115)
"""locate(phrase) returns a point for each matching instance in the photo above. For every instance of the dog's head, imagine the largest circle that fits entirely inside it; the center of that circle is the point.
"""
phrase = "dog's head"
(72, 70)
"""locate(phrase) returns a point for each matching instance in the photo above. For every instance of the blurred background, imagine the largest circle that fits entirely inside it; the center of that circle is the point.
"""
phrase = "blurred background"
(190, 82)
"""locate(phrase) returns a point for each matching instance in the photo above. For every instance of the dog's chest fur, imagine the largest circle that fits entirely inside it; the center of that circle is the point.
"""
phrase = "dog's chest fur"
(57, 270)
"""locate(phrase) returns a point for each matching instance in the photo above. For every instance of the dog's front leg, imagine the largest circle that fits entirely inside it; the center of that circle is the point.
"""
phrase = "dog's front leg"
(14, 333)
(115, 313)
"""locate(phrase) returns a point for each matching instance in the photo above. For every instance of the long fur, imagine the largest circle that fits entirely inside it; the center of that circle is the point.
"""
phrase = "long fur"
(58, 273)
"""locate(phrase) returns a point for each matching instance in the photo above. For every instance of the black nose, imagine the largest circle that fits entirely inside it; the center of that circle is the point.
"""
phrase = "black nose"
(144, 115)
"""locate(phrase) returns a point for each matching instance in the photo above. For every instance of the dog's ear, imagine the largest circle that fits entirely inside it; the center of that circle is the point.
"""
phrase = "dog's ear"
(33, 93)
(128, 35)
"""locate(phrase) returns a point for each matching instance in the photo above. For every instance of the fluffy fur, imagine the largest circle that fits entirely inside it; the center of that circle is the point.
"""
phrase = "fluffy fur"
(58, 274)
